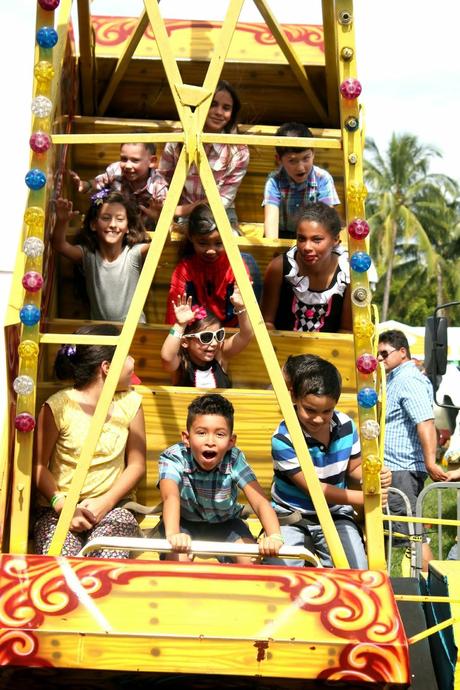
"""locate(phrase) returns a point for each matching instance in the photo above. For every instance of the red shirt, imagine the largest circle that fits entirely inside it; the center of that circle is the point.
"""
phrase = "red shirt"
(209, 284)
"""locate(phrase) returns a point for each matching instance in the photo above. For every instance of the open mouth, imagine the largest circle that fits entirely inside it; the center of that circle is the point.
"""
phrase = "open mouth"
(209, 454)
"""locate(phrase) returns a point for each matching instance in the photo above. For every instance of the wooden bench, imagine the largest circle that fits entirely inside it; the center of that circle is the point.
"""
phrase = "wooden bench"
(247, 370)
(257, 415)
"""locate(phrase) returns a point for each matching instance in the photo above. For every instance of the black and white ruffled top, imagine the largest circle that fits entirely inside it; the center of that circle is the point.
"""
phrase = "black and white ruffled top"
(301, 309)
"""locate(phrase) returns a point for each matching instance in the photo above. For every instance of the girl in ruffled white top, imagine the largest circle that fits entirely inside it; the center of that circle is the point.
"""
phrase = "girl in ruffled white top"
(307, 287)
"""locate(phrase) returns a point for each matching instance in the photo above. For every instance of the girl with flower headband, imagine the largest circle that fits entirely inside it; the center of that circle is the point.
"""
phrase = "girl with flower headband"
(119, 459)
(110, 249)
(205, 274)
(195, 351)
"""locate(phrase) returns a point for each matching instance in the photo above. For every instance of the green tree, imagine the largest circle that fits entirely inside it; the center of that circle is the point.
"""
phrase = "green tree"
(403, 197)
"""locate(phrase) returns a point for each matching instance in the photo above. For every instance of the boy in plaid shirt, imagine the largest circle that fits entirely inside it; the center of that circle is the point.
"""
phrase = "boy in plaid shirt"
(295, 184)
(199, 482)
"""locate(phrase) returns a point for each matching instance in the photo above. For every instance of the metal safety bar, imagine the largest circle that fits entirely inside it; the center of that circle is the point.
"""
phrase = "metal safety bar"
(202, 548)
(439, 488)
(411, 532)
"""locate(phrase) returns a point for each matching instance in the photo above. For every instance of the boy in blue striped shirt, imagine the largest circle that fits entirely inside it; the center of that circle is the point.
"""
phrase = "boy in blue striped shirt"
(333, 442)
(199, 482)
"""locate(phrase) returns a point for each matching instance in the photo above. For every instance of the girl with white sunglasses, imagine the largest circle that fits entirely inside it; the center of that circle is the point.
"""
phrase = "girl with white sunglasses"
(195, 351)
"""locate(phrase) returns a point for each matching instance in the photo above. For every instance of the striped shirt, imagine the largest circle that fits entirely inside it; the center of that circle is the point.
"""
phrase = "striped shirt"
(409, 402)
(291, 197)
(206, 496)
(229, 165)
(331, 465)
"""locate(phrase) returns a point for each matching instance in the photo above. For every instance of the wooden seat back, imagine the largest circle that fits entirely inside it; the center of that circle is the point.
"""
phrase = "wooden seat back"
(247, 370)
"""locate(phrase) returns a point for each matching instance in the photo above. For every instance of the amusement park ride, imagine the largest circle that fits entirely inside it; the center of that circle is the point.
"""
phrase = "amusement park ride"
(101, 81)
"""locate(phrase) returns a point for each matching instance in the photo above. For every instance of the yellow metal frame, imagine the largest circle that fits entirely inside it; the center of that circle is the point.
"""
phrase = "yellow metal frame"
(192, 105)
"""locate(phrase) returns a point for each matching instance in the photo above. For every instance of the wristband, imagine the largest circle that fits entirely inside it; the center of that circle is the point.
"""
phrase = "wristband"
(55, 498)
(176, 333)
(240, 311)
(277, 537)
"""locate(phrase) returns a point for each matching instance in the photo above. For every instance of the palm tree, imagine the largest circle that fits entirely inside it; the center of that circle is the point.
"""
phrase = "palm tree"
(402, 192)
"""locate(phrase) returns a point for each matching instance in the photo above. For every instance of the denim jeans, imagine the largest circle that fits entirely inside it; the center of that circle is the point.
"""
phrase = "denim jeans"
(295, 535)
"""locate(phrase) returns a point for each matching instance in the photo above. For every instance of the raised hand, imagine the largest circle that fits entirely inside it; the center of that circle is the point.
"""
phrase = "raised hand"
(152, 210)
(79, 184)
(183, 310)
(64, 210)
(236, 299)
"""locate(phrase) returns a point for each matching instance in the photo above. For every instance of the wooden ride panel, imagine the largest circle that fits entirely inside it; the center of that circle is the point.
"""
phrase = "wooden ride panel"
(308, 623)
(246, 371)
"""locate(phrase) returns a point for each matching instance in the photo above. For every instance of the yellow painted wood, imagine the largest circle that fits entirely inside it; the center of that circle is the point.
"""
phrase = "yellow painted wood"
(354, 181)
(123, 62)
(169, 63)
(86, 63)
(218, 57)
(192, 95)
(255, 140)
(134, 615)
(292, 58)
(245, 48)
(246, 371)
(23, 444)
(330, 53)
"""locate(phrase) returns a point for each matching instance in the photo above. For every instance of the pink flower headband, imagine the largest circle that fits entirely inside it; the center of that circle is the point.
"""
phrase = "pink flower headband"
(198, 313)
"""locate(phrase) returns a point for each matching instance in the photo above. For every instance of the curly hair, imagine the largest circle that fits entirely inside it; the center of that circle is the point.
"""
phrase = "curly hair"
(211, 403)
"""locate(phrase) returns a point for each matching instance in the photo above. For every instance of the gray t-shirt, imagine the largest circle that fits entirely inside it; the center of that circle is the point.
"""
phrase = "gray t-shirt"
(111, 284)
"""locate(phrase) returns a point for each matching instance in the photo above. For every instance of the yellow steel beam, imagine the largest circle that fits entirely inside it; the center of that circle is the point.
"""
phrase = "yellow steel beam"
(425, 520)
(290, 55)
(175, 126)
(62, 28)
(218, 56)
(133, 137)
(355, 195)
(331, 60)
(86, 43)
(124, 343)
(425, 599)
(271, 362)
(23, 448)
(169, 63)
(248, 139)
(431, 631)
(123, 62)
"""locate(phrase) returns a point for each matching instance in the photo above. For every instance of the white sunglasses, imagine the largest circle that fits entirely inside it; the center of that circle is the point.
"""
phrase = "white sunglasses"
(207, 337)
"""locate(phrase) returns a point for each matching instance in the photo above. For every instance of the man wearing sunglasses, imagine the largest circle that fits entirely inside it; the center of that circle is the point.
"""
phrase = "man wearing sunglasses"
(410, 434)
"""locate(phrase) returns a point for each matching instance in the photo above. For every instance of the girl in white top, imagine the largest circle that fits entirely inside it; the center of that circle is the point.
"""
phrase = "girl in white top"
(110, 249)
(196, 352)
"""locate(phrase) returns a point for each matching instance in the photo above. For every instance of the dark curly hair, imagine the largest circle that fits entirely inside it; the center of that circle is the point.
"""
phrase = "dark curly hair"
(211, 403)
